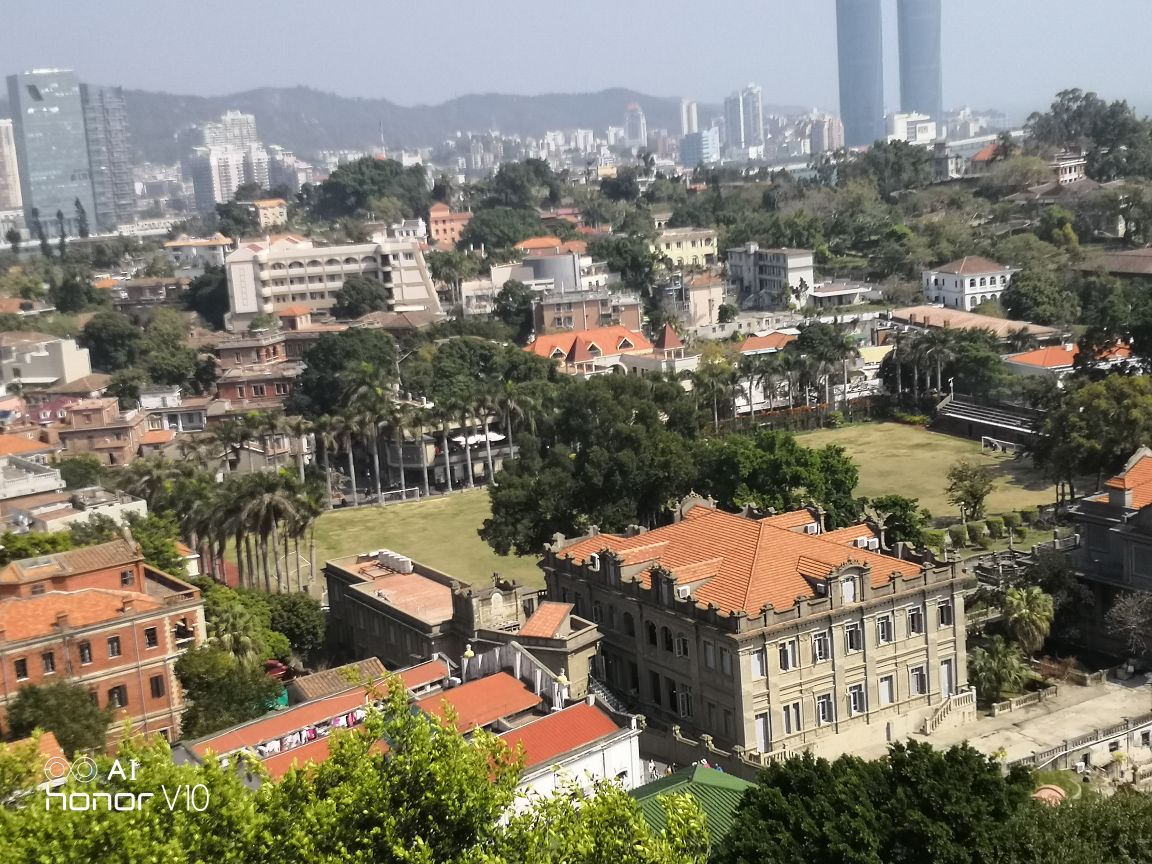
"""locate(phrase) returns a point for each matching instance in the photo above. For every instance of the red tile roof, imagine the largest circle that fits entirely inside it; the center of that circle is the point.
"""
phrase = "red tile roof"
(612, 341)
(1137, 479)
(34, 617)
(849, 536)
(117, 553)
(973, 264)
(482, 702)
(668, 339)
(768, 342)
(791, 520)
(748, 563)
(293, 311)
(1064, 356)
(547, 620)
(16, 445)
(987, 154)
(562, 732)
(157, 436)
(312, 753)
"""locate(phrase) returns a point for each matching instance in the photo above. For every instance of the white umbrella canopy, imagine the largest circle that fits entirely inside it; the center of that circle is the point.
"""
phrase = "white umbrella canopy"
(494, 437)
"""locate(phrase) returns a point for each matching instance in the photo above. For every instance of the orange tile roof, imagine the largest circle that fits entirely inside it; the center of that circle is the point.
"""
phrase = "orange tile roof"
(768, 342)
(752, 563)
(107, 283)
(1064, 356)
(16, 445)
(987, 154)
(157, 436)
(482, 702)
(791, 520)
(971, 264)
(848, 536)
(312, 753)
(34, 617)
(608, 339)
(668, 339)
(291, 311)
(116, 553)
(1136, 478)
(562, 732)
(534, 243)
(546, 621)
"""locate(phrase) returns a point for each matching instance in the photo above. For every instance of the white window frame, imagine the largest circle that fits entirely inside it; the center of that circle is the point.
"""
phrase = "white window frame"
(793, 718)
(849, 629)
(709, 654)
(848, 587)
(821, 647)
(885, 632)
(684, 700)
(944, 610)
(788, 653)
(681, 645)
(854, 691)
(914, 613)
(725, 661)
(759, 663)
(825, 709)
(891, 694)
(918, 680)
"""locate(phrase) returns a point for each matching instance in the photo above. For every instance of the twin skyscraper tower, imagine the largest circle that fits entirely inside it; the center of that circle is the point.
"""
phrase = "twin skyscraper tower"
(860, 39)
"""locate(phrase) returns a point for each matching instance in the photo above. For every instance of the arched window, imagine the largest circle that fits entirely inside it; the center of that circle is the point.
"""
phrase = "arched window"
(629, 624)
(350, 261)
(651, 633)
(314, 263)
(332, 262)
(666, 639)
(296, 265)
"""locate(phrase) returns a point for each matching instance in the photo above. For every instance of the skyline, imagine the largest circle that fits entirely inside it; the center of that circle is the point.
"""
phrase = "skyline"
(797, 68)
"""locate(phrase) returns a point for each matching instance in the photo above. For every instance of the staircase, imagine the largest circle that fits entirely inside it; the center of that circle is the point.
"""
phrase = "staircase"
(966, 698)
(603, 694)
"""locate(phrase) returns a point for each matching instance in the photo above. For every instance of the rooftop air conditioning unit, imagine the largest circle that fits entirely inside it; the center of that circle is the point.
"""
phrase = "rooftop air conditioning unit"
(873, 544)
(683, 592)
(862, 542)
(811, 528)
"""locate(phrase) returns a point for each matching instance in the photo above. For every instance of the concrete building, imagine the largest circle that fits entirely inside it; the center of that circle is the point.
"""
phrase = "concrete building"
(137, 296)
(967, 282)
(101, 618)
(445, 227)
(772, 635)
(168, 408)
(772, 278)
(689, 117)
(695, 299)
(109, 156)
(860, 46)
(921, 63)
(913, 128)
(285, 169)
(270, 212)
(51, 146)
(586, 310)
(266, 276)
(826, 134)
(233, 129)
(700, 148)
(752, 100)
(196, 253)
(733, 123)
(687, 247)
(10, 198)
(41, 360)
(216, 172)
(1058, 361)
(57, 511)
(635, 126)
(99, 427)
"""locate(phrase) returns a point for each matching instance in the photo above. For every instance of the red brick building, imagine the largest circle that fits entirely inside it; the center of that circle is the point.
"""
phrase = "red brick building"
(100, 617)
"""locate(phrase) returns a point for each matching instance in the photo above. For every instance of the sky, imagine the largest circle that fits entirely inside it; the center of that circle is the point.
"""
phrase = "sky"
(1008, 54)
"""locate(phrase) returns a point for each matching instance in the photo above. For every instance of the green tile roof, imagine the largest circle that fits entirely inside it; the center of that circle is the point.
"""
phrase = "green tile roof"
(718, 794)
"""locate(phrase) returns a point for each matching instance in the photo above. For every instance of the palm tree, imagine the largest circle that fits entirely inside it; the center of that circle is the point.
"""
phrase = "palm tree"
(484, 404)
(464, 413)
(231, 434)
(270, 504)
(445, 416)
(938, 348)
(1028, 614)
(419, 415)
(349, 426)
(399, 416)
(995, 667)
(300, 428)
(371, 397)
(231, 628)
(792, 365)
(748, 370)
(325, 431)
(1020, 339)
(769, 370)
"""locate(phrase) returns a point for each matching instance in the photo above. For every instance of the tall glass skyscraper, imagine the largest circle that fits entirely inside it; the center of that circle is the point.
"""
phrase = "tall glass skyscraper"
(51, 146)
(860, 43)
(921, 73)
(110, 160)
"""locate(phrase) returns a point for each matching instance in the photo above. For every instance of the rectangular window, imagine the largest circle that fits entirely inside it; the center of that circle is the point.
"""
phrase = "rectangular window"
(763, 732)
(944, 613)
(792, 718)
(789, 655)
(919, 676)
(820, 648)
(21, 669)
(887, 694)
(654, 686)
(156, 683)
(48, 661)
(853, 638)
(856, 700)
(915, 620)
(709, 655)
(150, 639)
(681, 645)
(759, 663)
(727, 723)
(113, 646)
(884, 629)
(670, 690)
(118, 696)
(848, 590)
(685, 700)
(127, 577)
(597, 611)
(725, 661)
(85, 653)
(258, 390)
(825, 709)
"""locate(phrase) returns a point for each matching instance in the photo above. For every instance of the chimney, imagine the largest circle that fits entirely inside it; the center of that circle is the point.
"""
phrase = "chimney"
(126, 607)
(591, 699)
(62, 620)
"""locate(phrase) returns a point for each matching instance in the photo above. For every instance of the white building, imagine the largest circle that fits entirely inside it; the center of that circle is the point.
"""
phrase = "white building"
(10, 198)
(216, 172)
(772, 278)
(635, 127)
(40, 360)
(192, 253)
(233, 129)
(913, 128)
(266, 276)
(967, 283)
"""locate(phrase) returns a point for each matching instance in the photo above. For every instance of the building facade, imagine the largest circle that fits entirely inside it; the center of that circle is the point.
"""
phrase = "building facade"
(265, 276)
(216, 172)
(769, 635)
(104, 619)
(41, 360)
(196, 253)
(51, 147)
(687, 247)
(586, 310)
(860, 46)
(772, 278)
(10, 198)
(921, 63)
(700, 148)
(445, 227)
(966, 283)
(109, 156)
(635, 126)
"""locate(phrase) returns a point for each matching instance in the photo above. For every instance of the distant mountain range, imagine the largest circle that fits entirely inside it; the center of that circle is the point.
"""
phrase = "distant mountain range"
(306, 120)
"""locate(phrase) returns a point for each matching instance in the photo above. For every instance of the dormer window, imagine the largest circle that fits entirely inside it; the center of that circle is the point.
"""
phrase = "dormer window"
(848, 590)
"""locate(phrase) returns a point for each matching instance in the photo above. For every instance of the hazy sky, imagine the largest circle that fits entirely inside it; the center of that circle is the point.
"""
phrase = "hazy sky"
(1011, 54)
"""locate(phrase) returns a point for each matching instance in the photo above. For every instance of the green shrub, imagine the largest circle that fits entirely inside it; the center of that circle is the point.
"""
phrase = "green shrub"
(957, 535)
(934, 539)
(834, 420)
(911, 419)
(995, 526)
(976, 530)
(984, 541)
(1030, 516)
(1011, 521)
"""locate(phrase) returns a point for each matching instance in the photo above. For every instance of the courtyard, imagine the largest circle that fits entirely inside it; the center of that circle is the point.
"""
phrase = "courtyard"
(897, 459)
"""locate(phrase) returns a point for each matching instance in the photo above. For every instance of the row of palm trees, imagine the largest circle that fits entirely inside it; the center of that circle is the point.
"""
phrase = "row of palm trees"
(929, 352)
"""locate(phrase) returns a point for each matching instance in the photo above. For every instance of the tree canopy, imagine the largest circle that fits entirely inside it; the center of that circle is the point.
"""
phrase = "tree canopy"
(322, 385)
(63, 708)
(351, 188)
(360, 295)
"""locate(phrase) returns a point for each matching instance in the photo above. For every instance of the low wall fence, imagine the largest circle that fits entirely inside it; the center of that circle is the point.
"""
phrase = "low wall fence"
(1025, 700)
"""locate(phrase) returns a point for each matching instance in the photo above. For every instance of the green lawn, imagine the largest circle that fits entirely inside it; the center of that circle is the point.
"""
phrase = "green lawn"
(895, 459)
(439, 532)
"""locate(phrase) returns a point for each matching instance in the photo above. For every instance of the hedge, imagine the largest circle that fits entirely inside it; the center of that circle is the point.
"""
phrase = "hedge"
(995, 526)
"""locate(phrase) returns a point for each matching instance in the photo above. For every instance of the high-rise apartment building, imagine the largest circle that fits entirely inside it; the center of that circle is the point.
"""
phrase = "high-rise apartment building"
(825, 134)
(753, 102)
(233, 129)
(860, 43)
(921, 72)
(689, 117)
(635, 126)
(51, 146)
(9, 168)
(734, 122)
(700, 148)
(216, 172)
(109, 156)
